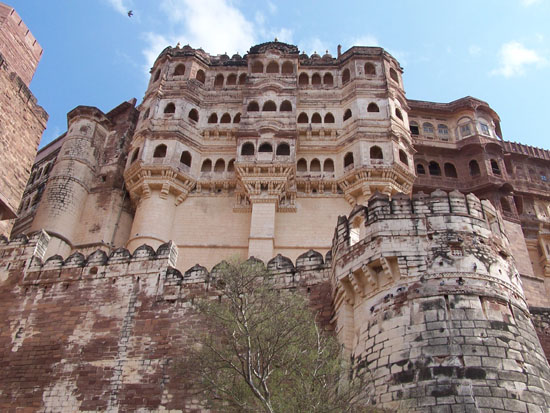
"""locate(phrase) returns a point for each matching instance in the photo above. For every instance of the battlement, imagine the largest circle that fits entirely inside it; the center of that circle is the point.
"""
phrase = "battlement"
(444, 212)
(527, 150)
(18, 45)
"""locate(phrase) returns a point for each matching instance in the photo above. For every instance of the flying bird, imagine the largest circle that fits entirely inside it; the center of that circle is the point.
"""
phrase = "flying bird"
(130, 13)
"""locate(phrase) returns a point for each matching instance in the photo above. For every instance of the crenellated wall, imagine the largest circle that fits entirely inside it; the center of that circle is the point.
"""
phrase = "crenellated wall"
(105, 332)
(429, 303)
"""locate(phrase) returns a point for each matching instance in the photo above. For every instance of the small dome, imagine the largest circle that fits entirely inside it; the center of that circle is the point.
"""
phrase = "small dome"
(304, 56)
(236, 56)
(224, 57)
(327, 56)
(315, 56)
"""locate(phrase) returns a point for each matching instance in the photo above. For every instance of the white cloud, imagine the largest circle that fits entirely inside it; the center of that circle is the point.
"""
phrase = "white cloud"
(313, 44)
(121, 6)
(366, 40)
(474, 50)
(272, 7)
(514, 57)
(213, 25)
(528, 3)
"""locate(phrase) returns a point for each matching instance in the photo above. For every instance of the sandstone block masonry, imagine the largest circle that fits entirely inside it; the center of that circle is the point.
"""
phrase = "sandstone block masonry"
(22, 120)
(429, 303)
(105, 333)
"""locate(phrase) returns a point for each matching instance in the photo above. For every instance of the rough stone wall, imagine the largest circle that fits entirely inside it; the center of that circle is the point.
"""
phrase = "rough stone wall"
(105, 333)
(429, 303)
(541, 321)
(22, 122)
(18, 45)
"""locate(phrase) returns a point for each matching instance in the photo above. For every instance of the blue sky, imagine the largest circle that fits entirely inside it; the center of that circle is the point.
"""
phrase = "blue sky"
(495, 50)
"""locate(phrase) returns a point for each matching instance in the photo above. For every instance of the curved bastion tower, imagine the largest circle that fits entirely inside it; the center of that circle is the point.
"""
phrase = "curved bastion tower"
(429, 303)
(263, 152)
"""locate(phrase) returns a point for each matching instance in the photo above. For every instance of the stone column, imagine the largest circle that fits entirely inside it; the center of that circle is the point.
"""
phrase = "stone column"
(262, 229)
(153, 220)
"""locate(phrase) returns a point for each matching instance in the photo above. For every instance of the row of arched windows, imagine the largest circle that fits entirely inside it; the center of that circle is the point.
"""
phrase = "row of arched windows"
(315, 165)
(193, 113)
(219, 166)
(327, 80)
(225, 118)
(287, 68)
(428, 129)
(269, 106)
(248, 149)
(450, 171)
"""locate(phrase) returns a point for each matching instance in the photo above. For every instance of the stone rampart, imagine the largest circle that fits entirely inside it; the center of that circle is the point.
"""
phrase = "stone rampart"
(430, 305)
(104, 332)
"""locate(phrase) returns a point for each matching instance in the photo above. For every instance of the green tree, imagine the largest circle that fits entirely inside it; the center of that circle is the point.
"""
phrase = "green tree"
(264, 350)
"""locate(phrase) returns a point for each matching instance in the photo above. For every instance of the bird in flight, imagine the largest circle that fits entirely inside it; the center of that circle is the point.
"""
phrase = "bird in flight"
(130, 13)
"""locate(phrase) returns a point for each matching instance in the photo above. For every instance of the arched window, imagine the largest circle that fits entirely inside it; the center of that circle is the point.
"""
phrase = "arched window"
(269, 106)
(303, 79)
(213, 118)
(373, 107)
(160, 151)
(393, 75)
(226, 118)
(219, 166)
(157, 75)
(420, 170)
(329, 118)
(505, 205)
(301, 166)
(355, 231)
(494, 167)
(434, 168)
(316, 118)
(231, 79)
(347, 114)
(146, 114)
(218, 81)
(348, 159)
(403, 157)
(247, 149)
(257, 67)
(237, 118)
(450, 170)
(134, 155)
(253, 107)
(398, 113)
(302, 118)
(328, 165)
(286, 106)
(194, 115)
(185, 158)
(328, 80)
(179, 70)
(370, 69)
(443, 131)
(265, 147)
(474, 168)
(272, 67)
(170, 108)
(206, 166)
(427, 128)
(345, 76)
(283, 149)
(287, 68)
(376, 152)
(47, 169)
(413, 126)
(242, 79)
(316, 79)
(200, 76)
(315, 165)
(231, 166)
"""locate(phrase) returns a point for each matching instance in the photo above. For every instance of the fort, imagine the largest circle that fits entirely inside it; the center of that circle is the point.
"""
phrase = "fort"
(419, 234)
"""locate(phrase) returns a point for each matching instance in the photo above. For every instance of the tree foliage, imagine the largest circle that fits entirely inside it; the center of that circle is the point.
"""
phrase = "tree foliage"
(265, 352)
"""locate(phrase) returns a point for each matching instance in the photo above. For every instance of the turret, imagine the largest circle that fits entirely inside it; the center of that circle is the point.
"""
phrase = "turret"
(430, 305)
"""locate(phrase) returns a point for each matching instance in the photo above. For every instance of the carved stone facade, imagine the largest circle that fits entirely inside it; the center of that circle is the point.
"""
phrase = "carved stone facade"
(128, 212)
